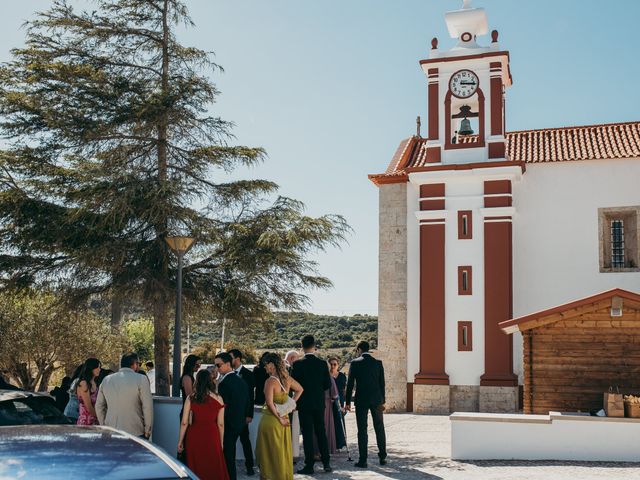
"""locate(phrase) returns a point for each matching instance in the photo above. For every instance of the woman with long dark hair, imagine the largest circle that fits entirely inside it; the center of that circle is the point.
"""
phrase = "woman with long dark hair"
(273, 445)
(203, 424)
(87, 392)
(189, 369)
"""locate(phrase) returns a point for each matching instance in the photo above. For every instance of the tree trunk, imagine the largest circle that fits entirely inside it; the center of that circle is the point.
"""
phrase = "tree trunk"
(160, 320)
(45, 378)
(161, 346)
(116, 311)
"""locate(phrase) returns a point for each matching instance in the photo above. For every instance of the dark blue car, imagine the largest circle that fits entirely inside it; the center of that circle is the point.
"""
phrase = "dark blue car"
(67, 451)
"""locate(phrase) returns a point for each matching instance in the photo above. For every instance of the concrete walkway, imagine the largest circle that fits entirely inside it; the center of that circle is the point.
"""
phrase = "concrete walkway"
(419, 448)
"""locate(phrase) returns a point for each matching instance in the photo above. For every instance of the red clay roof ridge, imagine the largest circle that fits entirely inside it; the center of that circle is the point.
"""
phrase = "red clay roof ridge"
(595, 125)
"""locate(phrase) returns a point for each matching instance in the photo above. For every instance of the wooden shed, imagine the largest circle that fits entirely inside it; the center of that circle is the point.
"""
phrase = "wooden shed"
(575, 352)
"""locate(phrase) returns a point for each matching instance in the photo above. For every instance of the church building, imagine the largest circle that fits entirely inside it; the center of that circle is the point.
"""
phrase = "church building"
(480, 225)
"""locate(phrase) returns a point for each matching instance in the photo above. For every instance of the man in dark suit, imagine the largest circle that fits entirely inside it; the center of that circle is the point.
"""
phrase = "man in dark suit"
(235, 395)
(245, 374)
(367, 374)
(313, 374)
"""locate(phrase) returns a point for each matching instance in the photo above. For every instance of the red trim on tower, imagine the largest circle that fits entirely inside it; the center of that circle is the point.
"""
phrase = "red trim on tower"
(433, 155)
(447, 123)
(432, 303)
(432, 190)
(492, 187)
(462, 347)
(434, 103)
(496, 99)
(465, 287)
(465, 57)
(461, 233)
(409, 397)
(498, 296)
(497, 150)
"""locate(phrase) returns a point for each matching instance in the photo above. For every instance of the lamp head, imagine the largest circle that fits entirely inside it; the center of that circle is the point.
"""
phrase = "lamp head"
(180, 244)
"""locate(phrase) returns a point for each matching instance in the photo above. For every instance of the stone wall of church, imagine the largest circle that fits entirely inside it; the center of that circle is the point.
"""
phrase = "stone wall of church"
(392, 293)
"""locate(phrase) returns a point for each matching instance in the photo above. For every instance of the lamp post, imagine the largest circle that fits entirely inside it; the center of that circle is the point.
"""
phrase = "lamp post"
(180, 246)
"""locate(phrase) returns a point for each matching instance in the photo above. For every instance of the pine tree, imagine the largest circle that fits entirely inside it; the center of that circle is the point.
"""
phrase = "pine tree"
(111, 147)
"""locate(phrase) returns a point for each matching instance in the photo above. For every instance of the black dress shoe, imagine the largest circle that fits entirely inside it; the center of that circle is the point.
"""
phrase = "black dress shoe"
(361, 464)
(383, 461)
(250, 471)
(306, 471)
(328, 469)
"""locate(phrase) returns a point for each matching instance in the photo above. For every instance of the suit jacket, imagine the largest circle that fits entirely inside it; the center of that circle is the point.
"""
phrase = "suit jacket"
(247, 376)
(313, 374)
(260, 377)
(235, 394)
(367, 374)
(124, 402)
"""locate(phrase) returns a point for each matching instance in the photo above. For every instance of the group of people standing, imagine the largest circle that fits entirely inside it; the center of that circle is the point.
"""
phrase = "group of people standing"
(98, 396)
(218, 408)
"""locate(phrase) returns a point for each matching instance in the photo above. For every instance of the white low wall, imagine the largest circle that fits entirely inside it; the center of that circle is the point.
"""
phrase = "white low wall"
(485, 436)
(166, 427)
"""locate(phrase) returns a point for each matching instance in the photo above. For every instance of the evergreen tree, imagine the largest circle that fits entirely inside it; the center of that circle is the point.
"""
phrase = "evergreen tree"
(111, 147)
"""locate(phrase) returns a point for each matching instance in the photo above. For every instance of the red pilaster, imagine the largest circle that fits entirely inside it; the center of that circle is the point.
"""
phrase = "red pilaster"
(498, 347)
(433, 153)
(497, 149)
(434, 103)
(496, 98)
(432, 307)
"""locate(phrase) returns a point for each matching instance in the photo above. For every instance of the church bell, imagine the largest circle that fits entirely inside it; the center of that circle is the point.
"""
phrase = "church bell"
(465, 127)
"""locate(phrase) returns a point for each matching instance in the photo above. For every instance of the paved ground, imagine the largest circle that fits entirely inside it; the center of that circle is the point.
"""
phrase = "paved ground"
(419, 448)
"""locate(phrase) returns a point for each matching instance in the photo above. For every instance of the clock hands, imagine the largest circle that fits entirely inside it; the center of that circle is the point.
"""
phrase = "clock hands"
(467, 83)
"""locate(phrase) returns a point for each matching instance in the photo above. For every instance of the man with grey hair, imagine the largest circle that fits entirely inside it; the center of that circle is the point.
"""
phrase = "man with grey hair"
(290, 358)
(124, 399)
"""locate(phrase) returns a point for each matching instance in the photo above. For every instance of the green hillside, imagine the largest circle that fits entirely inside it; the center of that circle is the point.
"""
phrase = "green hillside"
(285, 330)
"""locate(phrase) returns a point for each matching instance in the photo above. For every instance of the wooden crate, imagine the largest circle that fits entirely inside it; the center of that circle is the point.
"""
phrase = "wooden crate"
(632, 410)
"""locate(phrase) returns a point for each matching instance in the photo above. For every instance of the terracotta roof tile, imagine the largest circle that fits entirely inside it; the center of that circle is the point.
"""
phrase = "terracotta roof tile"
(590, 142)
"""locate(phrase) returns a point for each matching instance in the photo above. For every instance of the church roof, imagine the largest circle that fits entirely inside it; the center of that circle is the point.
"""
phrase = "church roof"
(590, 142)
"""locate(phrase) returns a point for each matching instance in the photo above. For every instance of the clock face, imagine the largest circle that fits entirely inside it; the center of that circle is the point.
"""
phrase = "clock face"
(463, 83)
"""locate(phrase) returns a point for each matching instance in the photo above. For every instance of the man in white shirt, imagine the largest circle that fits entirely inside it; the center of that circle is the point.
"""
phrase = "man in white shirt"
(151, 375)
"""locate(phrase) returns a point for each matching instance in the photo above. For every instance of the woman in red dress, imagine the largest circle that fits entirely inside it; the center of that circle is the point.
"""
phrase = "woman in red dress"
(204, 432)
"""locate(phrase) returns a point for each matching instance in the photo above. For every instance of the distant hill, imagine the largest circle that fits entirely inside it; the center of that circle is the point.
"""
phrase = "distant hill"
(287, 328)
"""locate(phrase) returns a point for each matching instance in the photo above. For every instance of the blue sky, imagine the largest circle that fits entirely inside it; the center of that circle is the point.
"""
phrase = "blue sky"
(330, 87)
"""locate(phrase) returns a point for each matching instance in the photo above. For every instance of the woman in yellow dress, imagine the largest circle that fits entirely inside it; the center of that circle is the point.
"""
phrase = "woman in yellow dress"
(273, 445)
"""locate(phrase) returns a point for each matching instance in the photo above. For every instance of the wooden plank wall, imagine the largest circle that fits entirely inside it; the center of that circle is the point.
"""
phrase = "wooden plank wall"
(575, 361)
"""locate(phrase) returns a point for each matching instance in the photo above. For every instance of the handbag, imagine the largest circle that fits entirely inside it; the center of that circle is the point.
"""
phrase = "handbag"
(286, 408)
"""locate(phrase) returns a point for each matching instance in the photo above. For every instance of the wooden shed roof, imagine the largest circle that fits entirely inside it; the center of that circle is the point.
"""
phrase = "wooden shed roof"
(570, 310)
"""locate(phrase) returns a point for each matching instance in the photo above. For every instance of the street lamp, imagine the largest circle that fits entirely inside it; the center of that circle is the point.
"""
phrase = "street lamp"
(180, 246)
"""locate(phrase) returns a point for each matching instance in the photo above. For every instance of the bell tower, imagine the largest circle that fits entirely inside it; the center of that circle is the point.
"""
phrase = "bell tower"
(459, 230)
(466, 91)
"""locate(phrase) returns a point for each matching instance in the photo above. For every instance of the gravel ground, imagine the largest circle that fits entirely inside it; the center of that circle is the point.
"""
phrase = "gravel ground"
(419, 448)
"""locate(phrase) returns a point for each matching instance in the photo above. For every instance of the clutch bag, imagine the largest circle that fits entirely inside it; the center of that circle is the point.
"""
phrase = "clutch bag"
(287, 407)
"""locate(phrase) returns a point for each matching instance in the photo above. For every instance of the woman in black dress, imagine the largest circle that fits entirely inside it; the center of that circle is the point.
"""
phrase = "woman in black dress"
(341, 383)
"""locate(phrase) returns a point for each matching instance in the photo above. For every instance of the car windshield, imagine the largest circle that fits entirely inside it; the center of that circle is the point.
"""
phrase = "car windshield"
(30, 410)
(54, 452)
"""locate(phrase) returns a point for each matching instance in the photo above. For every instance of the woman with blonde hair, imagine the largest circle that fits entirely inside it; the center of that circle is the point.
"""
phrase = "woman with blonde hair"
(273, 446)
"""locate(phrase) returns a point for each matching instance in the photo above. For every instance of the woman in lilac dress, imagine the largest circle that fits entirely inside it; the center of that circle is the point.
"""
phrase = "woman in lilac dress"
(87, 392)
(330, 396)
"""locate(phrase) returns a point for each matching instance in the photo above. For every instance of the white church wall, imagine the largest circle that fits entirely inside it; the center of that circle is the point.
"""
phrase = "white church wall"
(555, 234)
(464, 193)
(413, 282)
